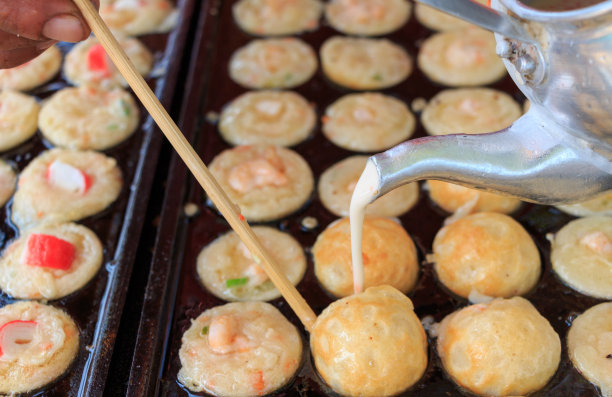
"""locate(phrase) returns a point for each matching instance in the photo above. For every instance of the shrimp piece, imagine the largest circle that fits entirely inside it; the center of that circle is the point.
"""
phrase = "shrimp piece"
(269, 107)
(274, 56)
(254, 272)
(267, 170)
(471, 106)
(223, 336)
(598, 242)
(462, 53)
(364, 115)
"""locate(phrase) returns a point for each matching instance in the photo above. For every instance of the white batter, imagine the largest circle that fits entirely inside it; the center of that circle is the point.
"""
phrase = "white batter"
(366, 189)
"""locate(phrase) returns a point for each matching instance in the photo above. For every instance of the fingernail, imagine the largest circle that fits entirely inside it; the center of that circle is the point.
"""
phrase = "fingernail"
(64, 28)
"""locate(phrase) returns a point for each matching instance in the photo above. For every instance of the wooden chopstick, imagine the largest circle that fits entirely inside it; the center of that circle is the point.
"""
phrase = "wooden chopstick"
(195, 164)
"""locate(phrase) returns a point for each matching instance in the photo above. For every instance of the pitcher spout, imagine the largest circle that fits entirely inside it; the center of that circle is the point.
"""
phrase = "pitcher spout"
(533, 160)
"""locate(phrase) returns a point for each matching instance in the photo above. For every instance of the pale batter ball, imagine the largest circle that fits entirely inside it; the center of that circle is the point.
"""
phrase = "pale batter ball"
(454, 198)
(581, 255)
(464, 57)
(370, 344)
(368, 122)
(88, 64)
(367, 17)
(438, 20)
(138, 17)
(486, 254)
(469, 111)
(239, 349)
(281, 118)
(266, 182)
(364, 64)
(88, 118)
(504, 348)
(277, 17)
(589, 343)
(63, 185)
(18, 118)
(337, 183)
(273, 63)
(227, 268)
(389, 256)
(599, 205)
(8, 181)
(34, 73)
(38, 266)
(39, 342)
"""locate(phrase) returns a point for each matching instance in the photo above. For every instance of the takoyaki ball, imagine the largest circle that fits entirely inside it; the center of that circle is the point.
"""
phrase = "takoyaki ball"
(469, 111)
(38, 343)
(50, 261)
(464, 57)
(503, 348)
(364, 64)
(266, 182)
(389, 256)
(589, 343)
(337, 183)
(368, 122)
(62, 185)
(367, 17)
(370, 344)
(281, 118)
(273, 63)
(277, 17)
(227, 268)
(88, 64)
(8, 181)
(88, 118)
(599, 205)
(581, 255)
(453, 198)
(439, 20)
(486, 254)
(18, 118)
(32, 74)
(138, 17)
(239, 349)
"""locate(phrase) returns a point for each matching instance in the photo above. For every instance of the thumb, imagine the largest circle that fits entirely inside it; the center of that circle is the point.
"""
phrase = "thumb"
(43, 20)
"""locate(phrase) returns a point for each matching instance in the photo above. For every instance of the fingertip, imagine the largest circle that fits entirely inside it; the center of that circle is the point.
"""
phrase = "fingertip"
(65, 27)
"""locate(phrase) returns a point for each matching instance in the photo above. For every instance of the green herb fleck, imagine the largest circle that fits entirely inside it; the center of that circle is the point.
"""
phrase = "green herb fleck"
(112, 127)
(377, 77)
(236, 282)
(288, 77)
(205, 330)
(126, 108)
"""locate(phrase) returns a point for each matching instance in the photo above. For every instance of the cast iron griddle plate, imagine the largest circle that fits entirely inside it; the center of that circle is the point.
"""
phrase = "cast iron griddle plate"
(173, 282)
(97, 307)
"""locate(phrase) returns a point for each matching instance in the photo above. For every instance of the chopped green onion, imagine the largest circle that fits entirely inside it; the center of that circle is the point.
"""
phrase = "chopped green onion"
(126, 108)
(112, 127)
(235, 282)
(205, 330)
(288, 77)
(377, 77)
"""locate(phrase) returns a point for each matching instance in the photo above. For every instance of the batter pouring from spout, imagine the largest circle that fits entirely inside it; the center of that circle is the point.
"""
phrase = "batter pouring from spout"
(365, 192)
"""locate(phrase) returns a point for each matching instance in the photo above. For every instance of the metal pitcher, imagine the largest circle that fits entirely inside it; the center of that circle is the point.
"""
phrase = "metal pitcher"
(560, 151)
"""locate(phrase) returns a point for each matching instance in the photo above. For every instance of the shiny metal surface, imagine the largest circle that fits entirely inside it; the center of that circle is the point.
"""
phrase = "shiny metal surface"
(482, 16)
(561, 150)
(528, 160)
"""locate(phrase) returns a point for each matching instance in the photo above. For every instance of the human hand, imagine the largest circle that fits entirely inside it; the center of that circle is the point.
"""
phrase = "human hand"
(28, 27)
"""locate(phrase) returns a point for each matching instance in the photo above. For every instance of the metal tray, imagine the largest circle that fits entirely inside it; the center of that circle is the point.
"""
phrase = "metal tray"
(174, 295)
(97, 307)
